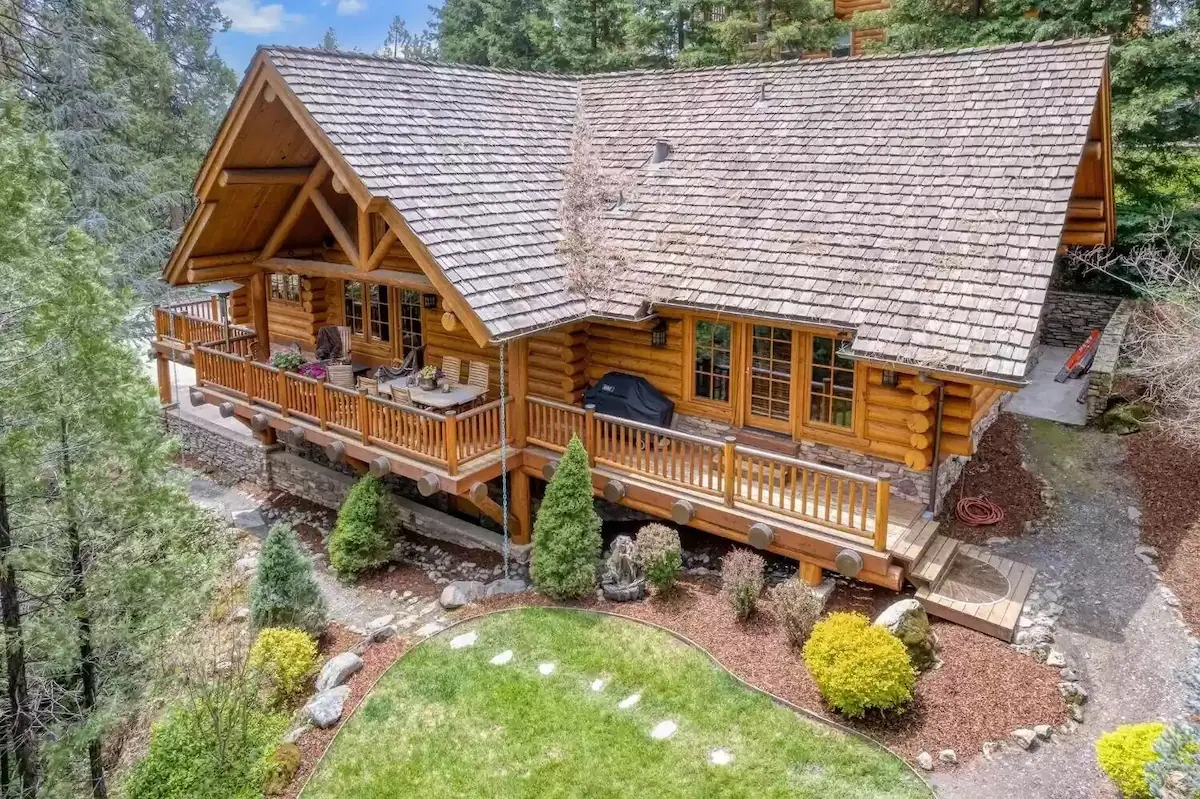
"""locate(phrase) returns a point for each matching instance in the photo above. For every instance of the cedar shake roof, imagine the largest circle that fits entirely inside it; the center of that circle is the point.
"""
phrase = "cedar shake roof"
(917, 201)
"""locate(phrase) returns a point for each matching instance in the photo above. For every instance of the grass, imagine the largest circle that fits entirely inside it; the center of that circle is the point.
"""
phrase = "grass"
(447, 722)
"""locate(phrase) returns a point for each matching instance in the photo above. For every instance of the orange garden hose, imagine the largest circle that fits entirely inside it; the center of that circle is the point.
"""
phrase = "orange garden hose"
(978, 512)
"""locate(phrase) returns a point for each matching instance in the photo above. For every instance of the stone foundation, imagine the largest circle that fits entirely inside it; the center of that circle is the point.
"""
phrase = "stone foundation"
(1069, 316)
(1104, 364)
(233, 456)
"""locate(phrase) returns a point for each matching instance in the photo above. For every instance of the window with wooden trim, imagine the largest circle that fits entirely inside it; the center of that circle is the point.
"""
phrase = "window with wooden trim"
(831, 384)
(284, 288)
(411, 336)
(843, 46)
(771, 373)
(366, 310)
(712, 357)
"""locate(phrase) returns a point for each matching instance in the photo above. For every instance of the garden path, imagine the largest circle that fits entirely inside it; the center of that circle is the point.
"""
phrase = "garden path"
(1118, 629)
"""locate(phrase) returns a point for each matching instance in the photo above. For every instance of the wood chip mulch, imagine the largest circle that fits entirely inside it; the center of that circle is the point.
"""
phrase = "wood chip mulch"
(1166, 473)
(997, 472)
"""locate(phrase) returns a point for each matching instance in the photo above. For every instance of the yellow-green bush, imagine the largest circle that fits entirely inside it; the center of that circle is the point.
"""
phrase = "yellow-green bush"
(858, 667)
(286, 658)
(1124, 754)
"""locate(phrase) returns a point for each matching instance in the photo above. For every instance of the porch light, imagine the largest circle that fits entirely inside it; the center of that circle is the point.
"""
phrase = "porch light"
(891, 378)
(429, 301)
(221, 290)
(658, 336)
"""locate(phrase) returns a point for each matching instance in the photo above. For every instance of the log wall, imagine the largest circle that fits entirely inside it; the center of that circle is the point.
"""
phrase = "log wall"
(299, 322)
(558, 362)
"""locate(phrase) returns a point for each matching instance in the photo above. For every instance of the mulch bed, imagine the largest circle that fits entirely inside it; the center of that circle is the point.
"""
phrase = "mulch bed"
(1166, 473)
(996, 472)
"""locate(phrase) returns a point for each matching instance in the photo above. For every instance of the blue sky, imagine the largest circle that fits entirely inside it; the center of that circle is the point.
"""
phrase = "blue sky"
(360, 24)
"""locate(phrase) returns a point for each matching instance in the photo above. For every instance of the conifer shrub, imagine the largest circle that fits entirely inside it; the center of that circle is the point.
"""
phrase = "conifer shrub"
(285, 658)
(566, 533)
(798, 608)
(1124, 755)
(742, 581)
(857, 666)
(285, 592)
(660, 555)
(362, 537)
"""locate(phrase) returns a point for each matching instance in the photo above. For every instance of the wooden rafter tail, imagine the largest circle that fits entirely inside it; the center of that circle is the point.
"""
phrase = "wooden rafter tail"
(265, 176)
(335, 226)
(319, 172)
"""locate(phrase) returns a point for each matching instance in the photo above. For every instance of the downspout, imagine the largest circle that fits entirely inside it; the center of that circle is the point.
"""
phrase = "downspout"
(937, 451)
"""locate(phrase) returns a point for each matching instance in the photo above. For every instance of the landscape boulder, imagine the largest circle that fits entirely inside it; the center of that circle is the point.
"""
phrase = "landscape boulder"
(338, 670)
(505, 586)
(462, 592)
(325, 708)
(908, 621)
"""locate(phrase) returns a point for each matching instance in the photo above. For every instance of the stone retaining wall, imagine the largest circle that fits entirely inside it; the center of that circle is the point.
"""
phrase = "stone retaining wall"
(233, 456)
(1069, 316)
(1108, 353)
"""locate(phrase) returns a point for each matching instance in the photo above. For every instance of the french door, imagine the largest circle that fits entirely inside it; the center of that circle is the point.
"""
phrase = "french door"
(771, 366)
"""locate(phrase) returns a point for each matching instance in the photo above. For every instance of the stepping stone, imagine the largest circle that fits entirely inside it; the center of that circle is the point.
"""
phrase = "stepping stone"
(502, 658)
(429, 629)
(719, 757)
(464, 640)
(629, 701)
(546, 669)
(597, 685)
(663, 730)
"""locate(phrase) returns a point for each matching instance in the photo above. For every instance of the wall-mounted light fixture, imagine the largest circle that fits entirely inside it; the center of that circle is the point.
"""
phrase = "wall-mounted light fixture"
(658, 336)
(891, 378)
(429, 301)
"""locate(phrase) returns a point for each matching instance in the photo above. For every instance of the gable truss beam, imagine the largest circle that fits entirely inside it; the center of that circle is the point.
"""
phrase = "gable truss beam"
(335, 226)
(292, 215)
(269, 176)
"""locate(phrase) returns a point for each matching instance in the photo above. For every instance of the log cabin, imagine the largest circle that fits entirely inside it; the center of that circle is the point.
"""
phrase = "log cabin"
(834, 269)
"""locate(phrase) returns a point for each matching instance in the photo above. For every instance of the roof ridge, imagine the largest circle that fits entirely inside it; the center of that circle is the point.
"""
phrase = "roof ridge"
(792, 63)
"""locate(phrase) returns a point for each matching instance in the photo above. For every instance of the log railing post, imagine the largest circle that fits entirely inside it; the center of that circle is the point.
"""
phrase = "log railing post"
(451, 437)
(728, 457)
(363, 426)
(248, 379)
(883, 495)
(183, 329)
(322, 405)
(589, 433)
(281, 385)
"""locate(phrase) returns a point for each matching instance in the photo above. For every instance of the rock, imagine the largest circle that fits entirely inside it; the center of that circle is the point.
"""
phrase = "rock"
(1169, 596)
(1145, 550)
(1056, 659)
(1026, 739)
(990, 748)
(241, 614)
(382, 621)
(997, 540)
(337, 670)
(1134, 514)
(1069, 674)
(948, 757)
(294, 734)
(925, 761)
(1124, 419)
(500, 587)
(285, 762)
(382, 634)
(1076, 713)
(1051, 595)
(248, 520)
(1072, 693)
(246, 565)
(1043, 731)
(325, 708)
(461, 592)
(907, 621)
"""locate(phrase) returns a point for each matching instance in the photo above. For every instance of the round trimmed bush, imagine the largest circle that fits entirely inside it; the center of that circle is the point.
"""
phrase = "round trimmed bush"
(660, 555)
(286, 659)
(362, 537)
(858, 667)
(1124, 754)
(742, 581)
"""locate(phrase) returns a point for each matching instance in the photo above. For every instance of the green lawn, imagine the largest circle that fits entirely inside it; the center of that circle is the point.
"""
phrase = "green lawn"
(446, 722)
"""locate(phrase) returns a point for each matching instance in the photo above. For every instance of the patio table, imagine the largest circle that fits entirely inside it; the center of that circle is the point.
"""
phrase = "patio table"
(459, 394)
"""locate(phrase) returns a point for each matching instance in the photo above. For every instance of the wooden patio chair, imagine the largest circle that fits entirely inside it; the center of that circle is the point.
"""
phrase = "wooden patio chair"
(477, 375)
(452, 368)
(402, 396)
(370, 384)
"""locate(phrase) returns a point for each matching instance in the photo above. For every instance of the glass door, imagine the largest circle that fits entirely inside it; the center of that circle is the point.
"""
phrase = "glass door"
(770, 396)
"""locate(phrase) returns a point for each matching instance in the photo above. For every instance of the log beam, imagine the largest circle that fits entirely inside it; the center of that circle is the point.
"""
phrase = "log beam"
(381, 250)
(335, 226)
(278, 176)
(288, 221)
(364, 239)
(518, 504)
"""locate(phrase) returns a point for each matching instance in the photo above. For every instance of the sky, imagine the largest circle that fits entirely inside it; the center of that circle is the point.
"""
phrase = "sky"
(360, 24)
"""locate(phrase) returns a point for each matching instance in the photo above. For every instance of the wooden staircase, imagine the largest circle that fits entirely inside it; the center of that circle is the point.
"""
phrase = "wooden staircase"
(964, 583)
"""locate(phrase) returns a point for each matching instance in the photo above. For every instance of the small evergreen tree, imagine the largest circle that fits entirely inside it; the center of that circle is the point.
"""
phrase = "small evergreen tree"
(566, 534)
(362, 537)
(285, 593)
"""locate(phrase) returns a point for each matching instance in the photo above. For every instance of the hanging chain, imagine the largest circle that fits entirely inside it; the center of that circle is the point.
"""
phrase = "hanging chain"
(504, 454)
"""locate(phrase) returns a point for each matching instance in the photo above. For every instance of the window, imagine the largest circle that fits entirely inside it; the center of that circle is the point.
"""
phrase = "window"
(381, 320)
(354, 306)
(713, 344)
(285, 288)
(771, 372)
(367, 311)
(843, 45)
(831, 384)
(410, 320)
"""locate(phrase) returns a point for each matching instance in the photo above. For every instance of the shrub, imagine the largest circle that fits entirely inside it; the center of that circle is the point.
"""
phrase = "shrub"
(858, 667)
(281, 769)
(189, 759)
(286, 658)
(742, 581)
(1124, 754)
(362, 537)
(285, 593)
(661, 556)
(566, 533)
(798, 608)
(287, 361)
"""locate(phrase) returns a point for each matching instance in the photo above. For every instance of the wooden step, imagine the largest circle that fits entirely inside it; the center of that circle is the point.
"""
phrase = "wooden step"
(937, 557)
(997, 618)
(915, 541)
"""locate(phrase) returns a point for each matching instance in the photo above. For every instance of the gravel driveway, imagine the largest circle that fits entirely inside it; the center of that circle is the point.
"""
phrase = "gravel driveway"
(1117, 628)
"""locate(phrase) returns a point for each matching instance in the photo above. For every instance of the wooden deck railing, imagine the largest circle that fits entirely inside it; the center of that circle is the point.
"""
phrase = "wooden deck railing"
(197, 322)
(852, 504)
(448, 440)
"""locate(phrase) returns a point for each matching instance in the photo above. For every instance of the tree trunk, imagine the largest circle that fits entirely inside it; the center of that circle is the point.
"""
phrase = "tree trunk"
(19, 718)
(77, 596)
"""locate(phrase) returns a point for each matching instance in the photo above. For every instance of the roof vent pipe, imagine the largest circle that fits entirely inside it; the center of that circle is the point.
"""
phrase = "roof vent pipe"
(661, 151)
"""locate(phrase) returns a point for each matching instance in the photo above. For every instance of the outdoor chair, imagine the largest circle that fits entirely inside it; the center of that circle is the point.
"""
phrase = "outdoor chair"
(452, 368)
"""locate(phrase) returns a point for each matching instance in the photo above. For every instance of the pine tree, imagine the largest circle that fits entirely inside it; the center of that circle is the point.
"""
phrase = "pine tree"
(285, 592)
(403, 43)
(330, 41)
(566, 533)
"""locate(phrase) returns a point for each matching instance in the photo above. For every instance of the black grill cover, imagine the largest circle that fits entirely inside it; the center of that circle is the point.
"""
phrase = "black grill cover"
(630, 397)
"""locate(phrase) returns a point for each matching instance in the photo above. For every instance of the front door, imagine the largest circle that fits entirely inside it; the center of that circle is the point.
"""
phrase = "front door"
(769, 399)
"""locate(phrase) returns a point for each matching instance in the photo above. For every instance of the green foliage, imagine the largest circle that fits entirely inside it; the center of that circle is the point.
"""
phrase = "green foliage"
(187, 761)
(286, 658)
(857, 666)
(566, 533)
(660, 555)
(1124, 754)
(285, 592)
(284, 764)
(742, 581)
(362, 537)
(1175, 772)
(798, 608)
(287, 361)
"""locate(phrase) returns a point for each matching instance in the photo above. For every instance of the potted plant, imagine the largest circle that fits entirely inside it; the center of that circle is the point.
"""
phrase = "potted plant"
(429, 376)
(315, 369)
(288, 361)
